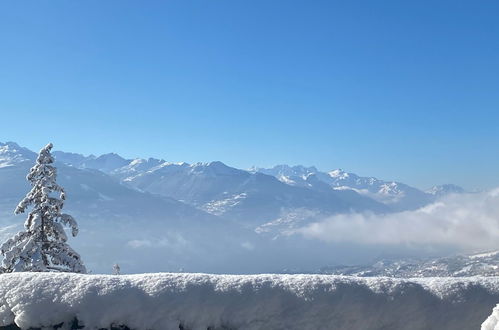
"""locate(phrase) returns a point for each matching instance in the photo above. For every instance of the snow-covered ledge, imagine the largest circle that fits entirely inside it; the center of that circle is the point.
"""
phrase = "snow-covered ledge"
(201, 301)
(492, 322)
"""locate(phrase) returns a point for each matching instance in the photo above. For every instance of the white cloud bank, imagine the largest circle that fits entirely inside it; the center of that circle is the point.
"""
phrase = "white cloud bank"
(467, 221)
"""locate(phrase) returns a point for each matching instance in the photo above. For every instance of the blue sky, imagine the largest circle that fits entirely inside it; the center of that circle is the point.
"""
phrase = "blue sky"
(404, 90)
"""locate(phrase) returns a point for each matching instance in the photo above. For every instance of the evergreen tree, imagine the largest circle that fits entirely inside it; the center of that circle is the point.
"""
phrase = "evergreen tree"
(116, 269)
(42, 246)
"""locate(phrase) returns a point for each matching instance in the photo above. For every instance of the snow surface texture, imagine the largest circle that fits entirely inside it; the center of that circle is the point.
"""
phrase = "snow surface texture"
(201, 301)
(492, 323)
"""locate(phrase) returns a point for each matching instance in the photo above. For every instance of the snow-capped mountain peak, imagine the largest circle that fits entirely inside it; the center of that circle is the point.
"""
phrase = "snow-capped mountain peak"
(397, 196)
(214, 168)
(12, 154)
(105, 163)
(72, 159)
(286, 171)
(339, 174)
(136, 167)
(390, 188)
(445, 189)
(108, 162)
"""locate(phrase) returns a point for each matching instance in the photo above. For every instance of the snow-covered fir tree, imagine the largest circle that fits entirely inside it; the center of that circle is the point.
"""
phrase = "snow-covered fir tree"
(43, 245)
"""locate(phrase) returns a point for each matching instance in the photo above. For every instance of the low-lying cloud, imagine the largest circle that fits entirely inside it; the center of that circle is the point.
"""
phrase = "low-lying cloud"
(467, 221)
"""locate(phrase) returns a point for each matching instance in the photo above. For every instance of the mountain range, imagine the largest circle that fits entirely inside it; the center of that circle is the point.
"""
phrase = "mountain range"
(175, 213)
(218, 188)
(464, 265)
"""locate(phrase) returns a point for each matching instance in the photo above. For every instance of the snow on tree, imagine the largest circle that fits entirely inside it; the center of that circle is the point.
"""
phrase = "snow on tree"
(43, 245)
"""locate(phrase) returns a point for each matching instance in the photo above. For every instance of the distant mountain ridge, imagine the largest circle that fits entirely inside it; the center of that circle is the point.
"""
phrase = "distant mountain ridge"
(132, 210)
(12, 154)
(398, 196)
(247, 197)
(445, 189)
(105, 163)
(220, 189)
(157, 176)
(482, 264)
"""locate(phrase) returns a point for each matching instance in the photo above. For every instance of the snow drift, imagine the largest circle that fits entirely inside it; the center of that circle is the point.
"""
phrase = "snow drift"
(492, 322)
(201, 301)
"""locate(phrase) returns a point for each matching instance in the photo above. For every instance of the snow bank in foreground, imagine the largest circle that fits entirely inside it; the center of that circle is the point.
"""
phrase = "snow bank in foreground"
(492, 323)
(201, 301)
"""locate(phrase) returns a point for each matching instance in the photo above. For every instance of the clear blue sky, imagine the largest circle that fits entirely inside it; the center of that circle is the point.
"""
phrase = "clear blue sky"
(405, 90)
